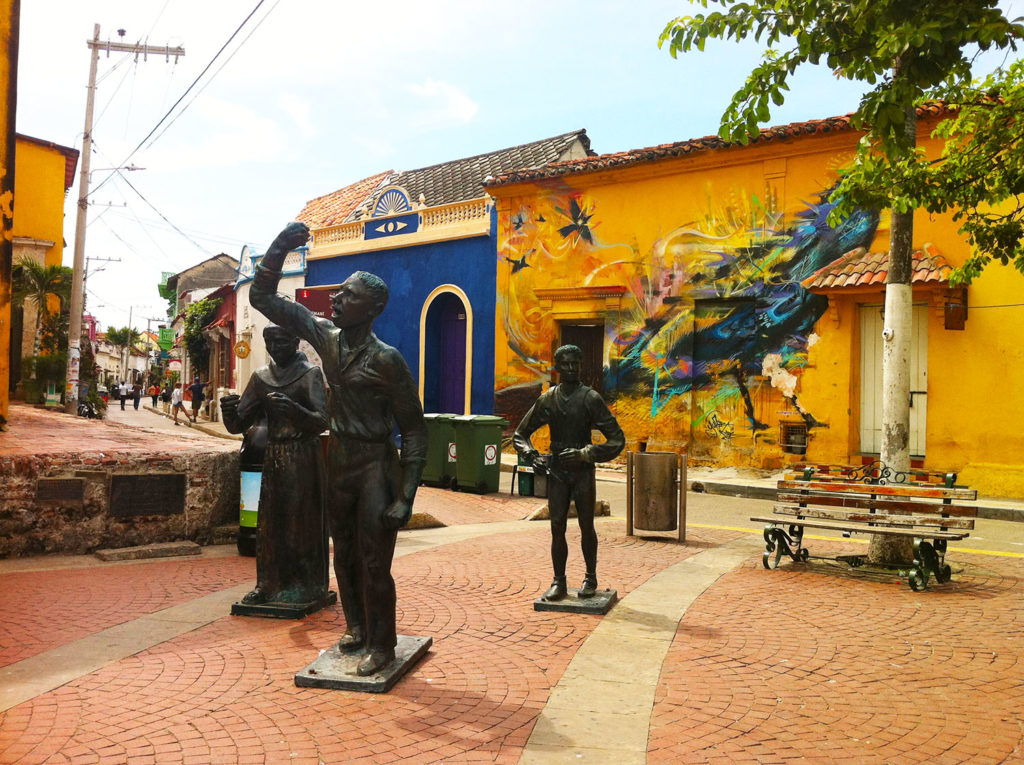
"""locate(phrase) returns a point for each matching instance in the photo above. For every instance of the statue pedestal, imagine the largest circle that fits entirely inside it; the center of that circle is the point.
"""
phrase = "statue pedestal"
(600, 603)
(337, 671)
(278, 610)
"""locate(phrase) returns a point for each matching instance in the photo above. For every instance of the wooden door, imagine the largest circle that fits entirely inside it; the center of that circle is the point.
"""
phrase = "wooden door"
(590, 339)
(871, 325)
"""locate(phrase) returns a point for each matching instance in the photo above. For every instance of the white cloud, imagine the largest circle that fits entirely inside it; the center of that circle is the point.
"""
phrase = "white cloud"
(219, 134)
(437, 104)
(301, 113)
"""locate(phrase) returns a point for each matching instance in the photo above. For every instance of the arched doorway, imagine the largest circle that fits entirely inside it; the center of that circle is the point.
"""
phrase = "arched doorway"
(445, 332)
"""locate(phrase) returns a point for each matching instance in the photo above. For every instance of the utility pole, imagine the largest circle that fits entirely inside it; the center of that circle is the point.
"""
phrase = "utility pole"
(77, 281)
(85, 275)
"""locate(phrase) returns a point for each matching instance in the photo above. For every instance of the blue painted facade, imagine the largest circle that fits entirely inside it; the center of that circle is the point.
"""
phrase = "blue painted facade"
(412, 273)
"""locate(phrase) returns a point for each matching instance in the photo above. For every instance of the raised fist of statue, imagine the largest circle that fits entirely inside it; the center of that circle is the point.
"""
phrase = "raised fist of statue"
(229, 401)
(293, 235)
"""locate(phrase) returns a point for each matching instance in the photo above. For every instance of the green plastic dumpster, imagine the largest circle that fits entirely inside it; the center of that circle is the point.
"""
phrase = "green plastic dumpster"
(478, 452)
(440, 467)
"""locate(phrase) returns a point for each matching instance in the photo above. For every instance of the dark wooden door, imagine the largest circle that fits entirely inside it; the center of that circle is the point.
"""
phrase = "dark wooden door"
(590, 339)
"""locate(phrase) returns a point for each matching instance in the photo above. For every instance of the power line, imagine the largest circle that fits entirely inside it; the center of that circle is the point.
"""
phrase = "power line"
(200, 235)
(182, 96)
(214, 76)
(195, 81)
(166, 220)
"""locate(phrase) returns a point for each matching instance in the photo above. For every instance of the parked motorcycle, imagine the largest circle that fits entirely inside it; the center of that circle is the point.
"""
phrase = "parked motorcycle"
(87, 410)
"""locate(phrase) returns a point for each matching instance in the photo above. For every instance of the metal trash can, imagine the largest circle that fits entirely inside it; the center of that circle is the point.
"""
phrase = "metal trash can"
(540, 480)
(478, 452)
(656, 492)
(439, 469)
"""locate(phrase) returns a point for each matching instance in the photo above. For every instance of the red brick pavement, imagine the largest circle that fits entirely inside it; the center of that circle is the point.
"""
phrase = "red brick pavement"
(832, 666)
(224, 693)
(47, 609)
(36, 431)
(456, 508)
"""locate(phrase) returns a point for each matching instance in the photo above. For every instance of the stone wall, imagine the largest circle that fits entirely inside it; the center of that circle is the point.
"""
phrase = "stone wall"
(75, 515)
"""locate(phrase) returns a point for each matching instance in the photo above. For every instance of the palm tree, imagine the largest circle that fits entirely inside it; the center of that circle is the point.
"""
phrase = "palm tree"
(37, 283)
(123, 339)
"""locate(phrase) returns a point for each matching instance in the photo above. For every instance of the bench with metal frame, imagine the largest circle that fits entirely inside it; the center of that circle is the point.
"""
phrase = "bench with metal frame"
(882, 503)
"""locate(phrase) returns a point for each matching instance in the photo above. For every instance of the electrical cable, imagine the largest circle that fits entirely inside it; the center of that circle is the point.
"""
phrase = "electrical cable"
(182, 96)
(166, 220)
(196, 80)
(214, 75)
(200, 235)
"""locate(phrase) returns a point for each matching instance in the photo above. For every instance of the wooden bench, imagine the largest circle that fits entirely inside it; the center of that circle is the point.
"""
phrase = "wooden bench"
(921, 511)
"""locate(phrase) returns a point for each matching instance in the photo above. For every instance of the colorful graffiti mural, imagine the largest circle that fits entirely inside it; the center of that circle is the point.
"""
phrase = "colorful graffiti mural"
(714, 327)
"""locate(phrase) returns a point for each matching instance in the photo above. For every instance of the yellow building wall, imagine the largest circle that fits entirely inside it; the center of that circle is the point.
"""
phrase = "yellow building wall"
(710, 342)
(39, 190)
(8, 89)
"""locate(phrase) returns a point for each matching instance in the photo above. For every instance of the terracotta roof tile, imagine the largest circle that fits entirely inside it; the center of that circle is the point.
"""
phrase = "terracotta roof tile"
(860, 268)
(332, 209)
(682, 148)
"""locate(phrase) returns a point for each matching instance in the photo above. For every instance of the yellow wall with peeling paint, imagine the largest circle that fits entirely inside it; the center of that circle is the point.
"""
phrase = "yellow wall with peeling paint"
(8, 66)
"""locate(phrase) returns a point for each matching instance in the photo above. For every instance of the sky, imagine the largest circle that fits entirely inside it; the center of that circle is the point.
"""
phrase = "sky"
(309, 96)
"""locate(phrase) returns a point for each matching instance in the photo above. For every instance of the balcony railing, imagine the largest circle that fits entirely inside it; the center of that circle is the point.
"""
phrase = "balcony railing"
(441, 222)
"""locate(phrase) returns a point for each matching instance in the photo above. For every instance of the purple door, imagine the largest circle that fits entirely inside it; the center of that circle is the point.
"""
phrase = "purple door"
(453, 355)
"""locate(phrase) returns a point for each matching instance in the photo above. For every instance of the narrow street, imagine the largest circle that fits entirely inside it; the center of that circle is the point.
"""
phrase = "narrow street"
(157, 423)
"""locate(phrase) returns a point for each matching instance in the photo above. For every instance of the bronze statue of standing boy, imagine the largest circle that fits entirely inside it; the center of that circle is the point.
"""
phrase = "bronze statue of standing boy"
(571, 410)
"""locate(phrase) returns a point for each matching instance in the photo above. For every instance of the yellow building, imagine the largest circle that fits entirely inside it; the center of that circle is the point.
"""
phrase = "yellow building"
(721, 315)
(44, 171)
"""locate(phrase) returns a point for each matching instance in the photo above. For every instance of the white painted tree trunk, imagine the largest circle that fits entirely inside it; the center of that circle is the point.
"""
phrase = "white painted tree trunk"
(896, 347)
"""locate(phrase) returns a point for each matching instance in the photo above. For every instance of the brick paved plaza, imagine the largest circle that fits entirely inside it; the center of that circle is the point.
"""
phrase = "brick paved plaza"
(707, 658)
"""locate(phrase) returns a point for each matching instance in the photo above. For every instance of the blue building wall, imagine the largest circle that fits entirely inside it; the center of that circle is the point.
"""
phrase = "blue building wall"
(412, 273)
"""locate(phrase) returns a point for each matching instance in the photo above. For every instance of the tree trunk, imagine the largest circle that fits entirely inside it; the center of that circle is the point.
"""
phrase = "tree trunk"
(896, 349)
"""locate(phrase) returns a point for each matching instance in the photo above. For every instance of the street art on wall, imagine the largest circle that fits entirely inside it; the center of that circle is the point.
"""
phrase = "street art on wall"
(715, 326)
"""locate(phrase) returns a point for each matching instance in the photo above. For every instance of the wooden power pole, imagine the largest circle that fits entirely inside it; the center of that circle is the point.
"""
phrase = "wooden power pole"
(77, 291)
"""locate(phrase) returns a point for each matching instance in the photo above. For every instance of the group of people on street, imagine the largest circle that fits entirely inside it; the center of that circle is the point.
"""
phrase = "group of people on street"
(126, 391)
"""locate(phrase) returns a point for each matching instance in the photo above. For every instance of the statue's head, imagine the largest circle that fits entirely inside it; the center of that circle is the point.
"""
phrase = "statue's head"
(282, 345)
(359, 299)
(568, 359)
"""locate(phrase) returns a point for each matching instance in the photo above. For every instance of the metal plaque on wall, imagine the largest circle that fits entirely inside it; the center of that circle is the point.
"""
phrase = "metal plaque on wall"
(147, 494)
(60, 489)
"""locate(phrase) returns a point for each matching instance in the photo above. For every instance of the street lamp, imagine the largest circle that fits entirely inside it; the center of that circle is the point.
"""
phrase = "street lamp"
(123, 167)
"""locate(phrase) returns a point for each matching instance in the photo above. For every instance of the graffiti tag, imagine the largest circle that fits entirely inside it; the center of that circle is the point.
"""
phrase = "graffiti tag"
(715, 426)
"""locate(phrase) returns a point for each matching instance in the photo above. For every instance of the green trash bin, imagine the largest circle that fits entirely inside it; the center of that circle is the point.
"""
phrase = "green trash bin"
(478, 452)
(439, 469)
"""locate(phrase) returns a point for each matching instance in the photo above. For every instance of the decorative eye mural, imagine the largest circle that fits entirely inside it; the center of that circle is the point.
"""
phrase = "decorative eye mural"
(390, 202)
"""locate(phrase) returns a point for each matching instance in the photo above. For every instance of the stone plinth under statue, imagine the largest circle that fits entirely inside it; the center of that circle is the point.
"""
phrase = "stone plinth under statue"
(337, 670)
(599, 603)
(280, 610)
